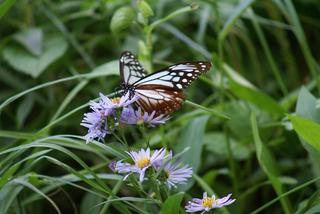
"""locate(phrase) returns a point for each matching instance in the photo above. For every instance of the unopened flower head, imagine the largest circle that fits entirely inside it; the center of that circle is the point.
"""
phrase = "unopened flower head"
(176, 174)
(142, 161)
(208, 203)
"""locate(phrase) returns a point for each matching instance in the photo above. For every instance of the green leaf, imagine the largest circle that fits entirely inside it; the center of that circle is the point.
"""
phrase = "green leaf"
(308, 130)
(256, 97)
(9, 193)
(268, 164)
(310, 204)
(31, 39)
(216, 144)
(109, 68)
(306, 107)
(172, 204)
(20, 59)
(145, 9)
(122, 19)
(89, 202)
(234, 16)
(24, 109)
(192, 137)
(5, 6)
(35, 189)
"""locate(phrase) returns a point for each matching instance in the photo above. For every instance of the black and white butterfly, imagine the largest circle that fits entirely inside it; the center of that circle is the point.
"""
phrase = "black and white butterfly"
(161, 91)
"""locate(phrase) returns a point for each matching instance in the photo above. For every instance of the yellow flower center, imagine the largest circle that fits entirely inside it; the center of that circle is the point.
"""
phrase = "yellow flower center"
(115, 100)
(143, 162)
(207, 202)
(140, 121)
(167, 173)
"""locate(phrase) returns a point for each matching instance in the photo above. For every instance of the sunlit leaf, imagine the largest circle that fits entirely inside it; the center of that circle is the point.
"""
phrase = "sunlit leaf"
(306, 107)
(23, 61)
(122, 19)
(308, 130)
(31, 39)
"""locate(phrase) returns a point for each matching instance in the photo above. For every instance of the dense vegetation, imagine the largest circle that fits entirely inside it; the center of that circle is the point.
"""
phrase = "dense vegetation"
(249, 127)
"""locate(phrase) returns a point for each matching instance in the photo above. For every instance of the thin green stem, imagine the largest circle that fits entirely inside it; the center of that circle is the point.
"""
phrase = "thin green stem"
(231, 162)
(284, 195)
(69, 98)
(213, 112)
(267, 51)
(151, 27)
(47, 84)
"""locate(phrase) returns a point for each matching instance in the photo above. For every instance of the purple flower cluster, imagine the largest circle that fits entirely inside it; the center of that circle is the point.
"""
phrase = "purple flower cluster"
(107, 113)
(159, 160)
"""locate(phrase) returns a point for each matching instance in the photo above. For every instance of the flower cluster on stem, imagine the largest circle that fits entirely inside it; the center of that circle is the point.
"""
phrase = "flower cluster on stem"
(107, 113)
(160, 160)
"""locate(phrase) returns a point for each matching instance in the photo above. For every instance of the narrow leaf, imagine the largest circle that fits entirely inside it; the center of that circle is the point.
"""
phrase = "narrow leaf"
(268, 164)
(172, 204)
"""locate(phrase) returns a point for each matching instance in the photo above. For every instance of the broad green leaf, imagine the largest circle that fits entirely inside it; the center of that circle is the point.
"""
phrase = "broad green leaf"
(88, 203)
(122, 19)
(192, 137)
(145, 9)
(216, 144)
(172, 204)
(256, 97)
(53, 47)
(308, 130)
(108, 68)
(239, 124)
(5, 6)
(313, 210)
(31, 39)
(306, 107)
(269, 165)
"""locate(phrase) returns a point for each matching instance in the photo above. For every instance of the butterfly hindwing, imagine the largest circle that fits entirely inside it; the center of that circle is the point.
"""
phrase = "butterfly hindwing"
(158, 98)
(130, 69)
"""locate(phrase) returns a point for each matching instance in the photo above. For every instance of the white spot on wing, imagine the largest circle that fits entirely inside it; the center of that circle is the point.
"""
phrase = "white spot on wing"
(176, 79)
(166, 78)
(154, 76)
(182, 67)
(179, 86)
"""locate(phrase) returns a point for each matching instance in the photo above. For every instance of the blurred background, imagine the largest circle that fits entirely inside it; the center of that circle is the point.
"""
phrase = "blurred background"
(55, 56)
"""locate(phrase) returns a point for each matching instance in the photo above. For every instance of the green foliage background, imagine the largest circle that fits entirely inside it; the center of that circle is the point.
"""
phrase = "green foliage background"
(251, 124)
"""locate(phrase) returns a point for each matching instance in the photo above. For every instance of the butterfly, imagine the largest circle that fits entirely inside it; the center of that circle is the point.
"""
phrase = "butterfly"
(161, 91)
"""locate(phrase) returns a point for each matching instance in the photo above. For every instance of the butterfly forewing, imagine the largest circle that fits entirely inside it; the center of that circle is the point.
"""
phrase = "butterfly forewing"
(130, 69)
(178, 76)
